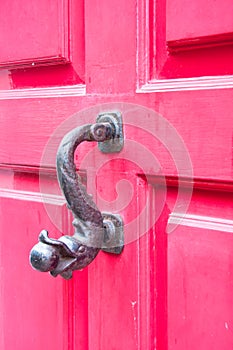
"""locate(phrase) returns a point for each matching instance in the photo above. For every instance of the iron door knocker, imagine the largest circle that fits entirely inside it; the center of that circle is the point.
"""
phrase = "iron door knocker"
(94, 231)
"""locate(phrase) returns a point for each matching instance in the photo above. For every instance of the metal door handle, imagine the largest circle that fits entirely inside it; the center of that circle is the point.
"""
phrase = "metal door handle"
(94, 231)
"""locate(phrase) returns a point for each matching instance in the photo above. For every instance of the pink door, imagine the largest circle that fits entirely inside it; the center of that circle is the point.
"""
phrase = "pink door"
(166, 66)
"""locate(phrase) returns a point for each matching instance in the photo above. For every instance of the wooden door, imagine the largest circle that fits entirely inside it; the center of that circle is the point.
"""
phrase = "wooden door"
(167, 67)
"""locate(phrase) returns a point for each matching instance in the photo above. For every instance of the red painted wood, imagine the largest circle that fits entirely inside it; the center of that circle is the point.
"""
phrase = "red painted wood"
(40, 29)
(34, 312)
(50, 44)
(200, 274)
(199, 20)
(175, 48)
(167, 290)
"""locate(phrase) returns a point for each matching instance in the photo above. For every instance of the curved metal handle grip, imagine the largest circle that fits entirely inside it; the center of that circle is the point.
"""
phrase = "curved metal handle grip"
(93, 230)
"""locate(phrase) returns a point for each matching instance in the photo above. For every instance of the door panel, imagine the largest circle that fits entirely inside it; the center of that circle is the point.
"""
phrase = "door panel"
(168, 290)
(44, 45)
(186, 40)
(40, 30)
(34, 312)
(200, 21)
(200, 274)
(199, 297)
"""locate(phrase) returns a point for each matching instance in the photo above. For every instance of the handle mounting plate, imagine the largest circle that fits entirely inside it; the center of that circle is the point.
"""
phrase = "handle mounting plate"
(114, 233)
(115, 144)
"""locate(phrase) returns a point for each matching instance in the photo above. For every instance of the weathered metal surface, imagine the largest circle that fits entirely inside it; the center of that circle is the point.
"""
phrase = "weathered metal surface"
(66, 254)
(113, 233)
(115, 144)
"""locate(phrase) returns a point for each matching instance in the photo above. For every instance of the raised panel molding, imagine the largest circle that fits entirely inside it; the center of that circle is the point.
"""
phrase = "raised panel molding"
(32, 196)
(200, 42)
(47, 92)
(150, 48)
(201, 221)
(198, 83)
(201, 21)
(40, 29)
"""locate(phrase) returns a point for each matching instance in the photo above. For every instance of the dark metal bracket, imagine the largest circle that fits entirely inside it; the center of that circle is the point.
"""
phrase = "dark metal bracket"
(115, 144)
(94, 231)
(113, 233)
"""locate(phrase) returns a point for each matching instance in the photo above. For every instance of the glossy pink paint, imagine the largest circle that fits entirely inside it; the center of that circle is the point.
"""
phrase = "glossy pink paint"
(167, 290)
